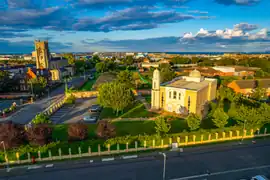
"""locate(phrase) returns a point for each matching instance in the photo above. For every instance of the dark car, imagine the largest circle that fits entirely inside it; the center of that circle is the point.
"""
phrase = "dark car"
(95, 108)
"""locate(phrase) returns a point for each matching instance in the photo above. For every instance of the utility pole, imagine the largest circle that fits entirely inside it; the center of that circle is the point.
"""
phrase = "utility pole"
(164, 165)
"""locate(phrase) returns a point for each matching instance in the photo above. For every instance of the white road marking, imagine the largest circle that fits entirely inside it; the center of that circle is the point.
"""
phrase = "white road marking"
(222, 172)
(34, 167)
(130, 157)
(49, 165)
(107, 159)
(91, 161)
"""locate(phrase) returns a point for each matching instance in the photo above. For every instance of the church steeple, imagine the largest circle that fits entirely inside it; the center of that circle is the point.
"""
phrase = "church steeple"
(155, 94)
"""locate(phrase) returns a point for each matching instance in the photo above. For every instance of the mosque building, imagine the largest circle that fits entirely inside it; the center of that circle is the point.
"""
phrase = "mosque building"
(184, 94)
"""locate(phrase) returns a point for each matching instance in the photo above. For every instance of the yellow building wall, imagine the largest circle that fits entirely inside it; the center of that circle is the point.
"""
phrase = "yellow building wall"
(56, 76)
(212, 90)
(162, 93)
(193, 101)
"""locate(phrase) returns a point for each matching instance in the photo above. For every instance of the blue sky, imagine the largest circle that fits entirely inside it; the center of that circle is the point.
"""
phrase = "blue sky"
(135, 25)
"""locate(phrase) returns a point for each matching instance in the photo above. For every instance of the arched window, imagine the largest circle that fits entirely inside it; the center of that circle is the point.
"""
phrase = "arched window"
(170, 94)
(174, 94)
(154, 85)
(179, 96)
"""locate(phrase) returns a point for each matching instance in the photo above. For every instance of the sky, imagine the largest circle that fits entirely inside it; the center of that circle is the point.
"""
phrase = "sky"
(135, 25)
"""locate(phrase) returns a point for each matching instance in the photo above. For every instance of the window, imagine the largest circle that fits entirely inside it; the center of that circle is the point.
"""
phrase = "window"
(179, 96)
(154, 85)
(188, 104)
(174, 94)
(170, 94)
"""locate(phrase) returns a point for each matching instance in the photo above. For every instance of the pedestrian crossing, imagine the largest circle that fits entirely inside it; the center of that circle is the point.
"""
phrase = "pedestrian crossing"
(56, 117)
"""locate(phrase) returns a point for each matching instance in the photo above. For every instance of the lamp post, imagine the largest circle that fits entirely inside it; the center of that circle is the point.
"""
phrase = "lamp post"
(6, 158)
(243, 130)
(32, 91)
(164, 165)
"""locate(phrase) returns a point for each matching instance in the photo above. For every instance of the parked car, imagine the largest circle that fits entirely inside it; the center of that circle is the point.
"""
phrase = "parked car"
(89, 118)
(91, 77)
(259, 177)
(95, 108)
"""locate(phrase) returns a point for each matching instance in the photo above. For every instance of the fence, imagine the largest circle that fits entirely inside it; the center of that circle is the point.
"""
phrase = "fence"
(187, 141)
(55, 106)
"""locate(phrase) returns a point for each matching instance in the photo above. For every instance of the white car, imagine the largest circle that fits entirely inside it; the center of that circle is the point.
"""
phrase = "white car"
(89, 118)
(259, 177)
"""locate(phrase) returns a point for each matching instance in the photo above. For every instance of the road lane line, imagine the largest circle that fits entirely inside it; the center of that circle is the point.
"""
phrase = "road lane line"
(107, 159)
(49, 166)
(34, 167)
(222, 172)
(130, 157)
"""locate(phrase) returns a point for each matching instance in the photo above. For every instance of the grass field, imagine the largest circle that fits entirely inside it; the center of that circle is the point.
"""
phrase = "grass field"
(136, 110)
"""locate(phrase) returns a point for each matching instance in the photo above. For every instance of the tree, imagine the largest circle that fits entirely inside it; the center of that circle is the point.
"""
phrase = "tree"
(220, 118)
(40, 134)
(115, 95)
(129, 61)
(101, 67)
(259, 93)
(77, 131)
(180, 60)
(39, 84)
(96, 59)
(193, 121)
(105, 130)
(13, 135)
(250, 115)
(233, 110)
(162, 126)
(111, 65)
(259, 73)
(41, 118)
(125, 77)
(166, 72)
(70, 57)
(136, 79)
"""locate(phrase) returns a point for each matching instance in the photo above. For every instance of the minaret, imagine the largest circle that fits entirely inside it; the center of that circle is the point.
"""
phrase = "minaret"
(155, 94)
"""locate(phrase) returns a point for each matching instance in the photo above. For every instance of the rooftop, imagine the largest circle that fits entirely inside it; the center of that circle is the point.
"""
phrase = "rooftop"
(189, 85)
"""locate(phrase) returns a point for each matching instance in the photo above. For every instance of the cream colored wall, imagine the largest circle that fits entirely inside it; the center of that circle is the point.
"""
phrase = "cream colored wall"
(162, 93)
(193, 101)
(174, 104)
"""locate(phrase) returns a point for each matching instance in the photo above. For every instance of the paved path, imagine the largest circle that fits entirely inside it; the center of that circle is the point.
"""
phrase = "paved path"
(30, 111)
(224, 163)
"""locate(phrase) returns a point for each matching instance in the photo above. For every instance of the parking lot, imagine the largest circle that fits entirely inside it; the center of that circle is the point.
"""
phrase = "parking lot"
(80, 109)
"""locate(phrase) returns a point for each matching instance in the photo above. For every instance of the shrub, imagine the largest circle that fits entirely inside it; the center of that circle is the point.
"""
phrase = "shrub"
(77, 131)
(13, 135)
(39, 134)
(105, 130)
(70, 100)
(41, 118)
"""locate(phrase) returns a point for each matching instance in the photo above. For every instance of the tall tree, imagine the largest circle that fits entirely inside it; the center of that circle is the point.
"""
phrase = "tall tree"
(162, 126)
(96, 59)
(101, 67)
(115, 95)
(166, 72)
(70, 57)
(39, 84)
(193, 121)
(129, 61)
(125, 77)
(220, 118)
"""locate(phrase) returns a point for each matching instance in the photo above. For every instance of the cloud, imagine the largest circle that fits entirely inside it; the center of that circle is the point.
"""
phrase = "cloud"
(229, 40)
(198, 12)
(238, 2)
(245, 27)
(27, 4)
(103, 4)
(136, 18)
(226, 35)
(6, 32)
(28, 46)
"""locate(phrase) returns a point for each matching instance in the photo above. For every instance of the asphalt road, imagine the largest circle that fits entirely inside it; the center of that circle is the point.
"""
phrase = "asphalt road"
(29, 112)
(224, 163)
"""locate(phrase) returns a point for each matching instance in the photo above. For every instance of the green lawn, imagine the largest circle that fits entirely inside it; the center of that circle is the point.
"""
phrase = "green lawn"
(89, 84)
(137, 110)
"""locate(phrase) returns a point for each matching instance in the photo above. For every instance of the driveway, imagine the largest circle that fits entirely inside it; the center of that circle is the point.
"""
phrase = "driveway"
(78, 111)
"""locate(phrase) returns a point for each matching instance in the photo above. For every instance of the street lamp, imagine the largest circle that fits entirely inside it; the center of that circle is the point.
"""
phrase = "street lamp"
(243, 130)
(32, 91)
(3, 143)
(164, 165)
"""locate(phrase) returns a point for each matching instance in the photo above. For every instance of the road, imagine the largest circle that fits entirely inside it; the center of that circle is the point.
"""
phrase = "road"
(224, 163)
(29, 112)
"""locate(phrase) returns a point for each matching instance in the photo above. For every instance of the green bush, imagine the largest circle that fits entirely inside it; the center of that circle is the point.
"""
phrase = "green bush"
(41, 118)
(70, 100)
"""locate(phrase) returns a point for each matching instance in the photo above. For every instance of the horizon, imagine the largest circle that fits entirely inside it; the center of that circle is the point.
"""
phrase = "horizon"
(135, 25)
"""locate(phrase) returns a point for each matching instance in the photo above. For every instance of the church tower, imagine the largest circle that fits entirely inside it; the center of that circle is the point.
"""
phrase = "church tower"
(42, 54)
(155, 94)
